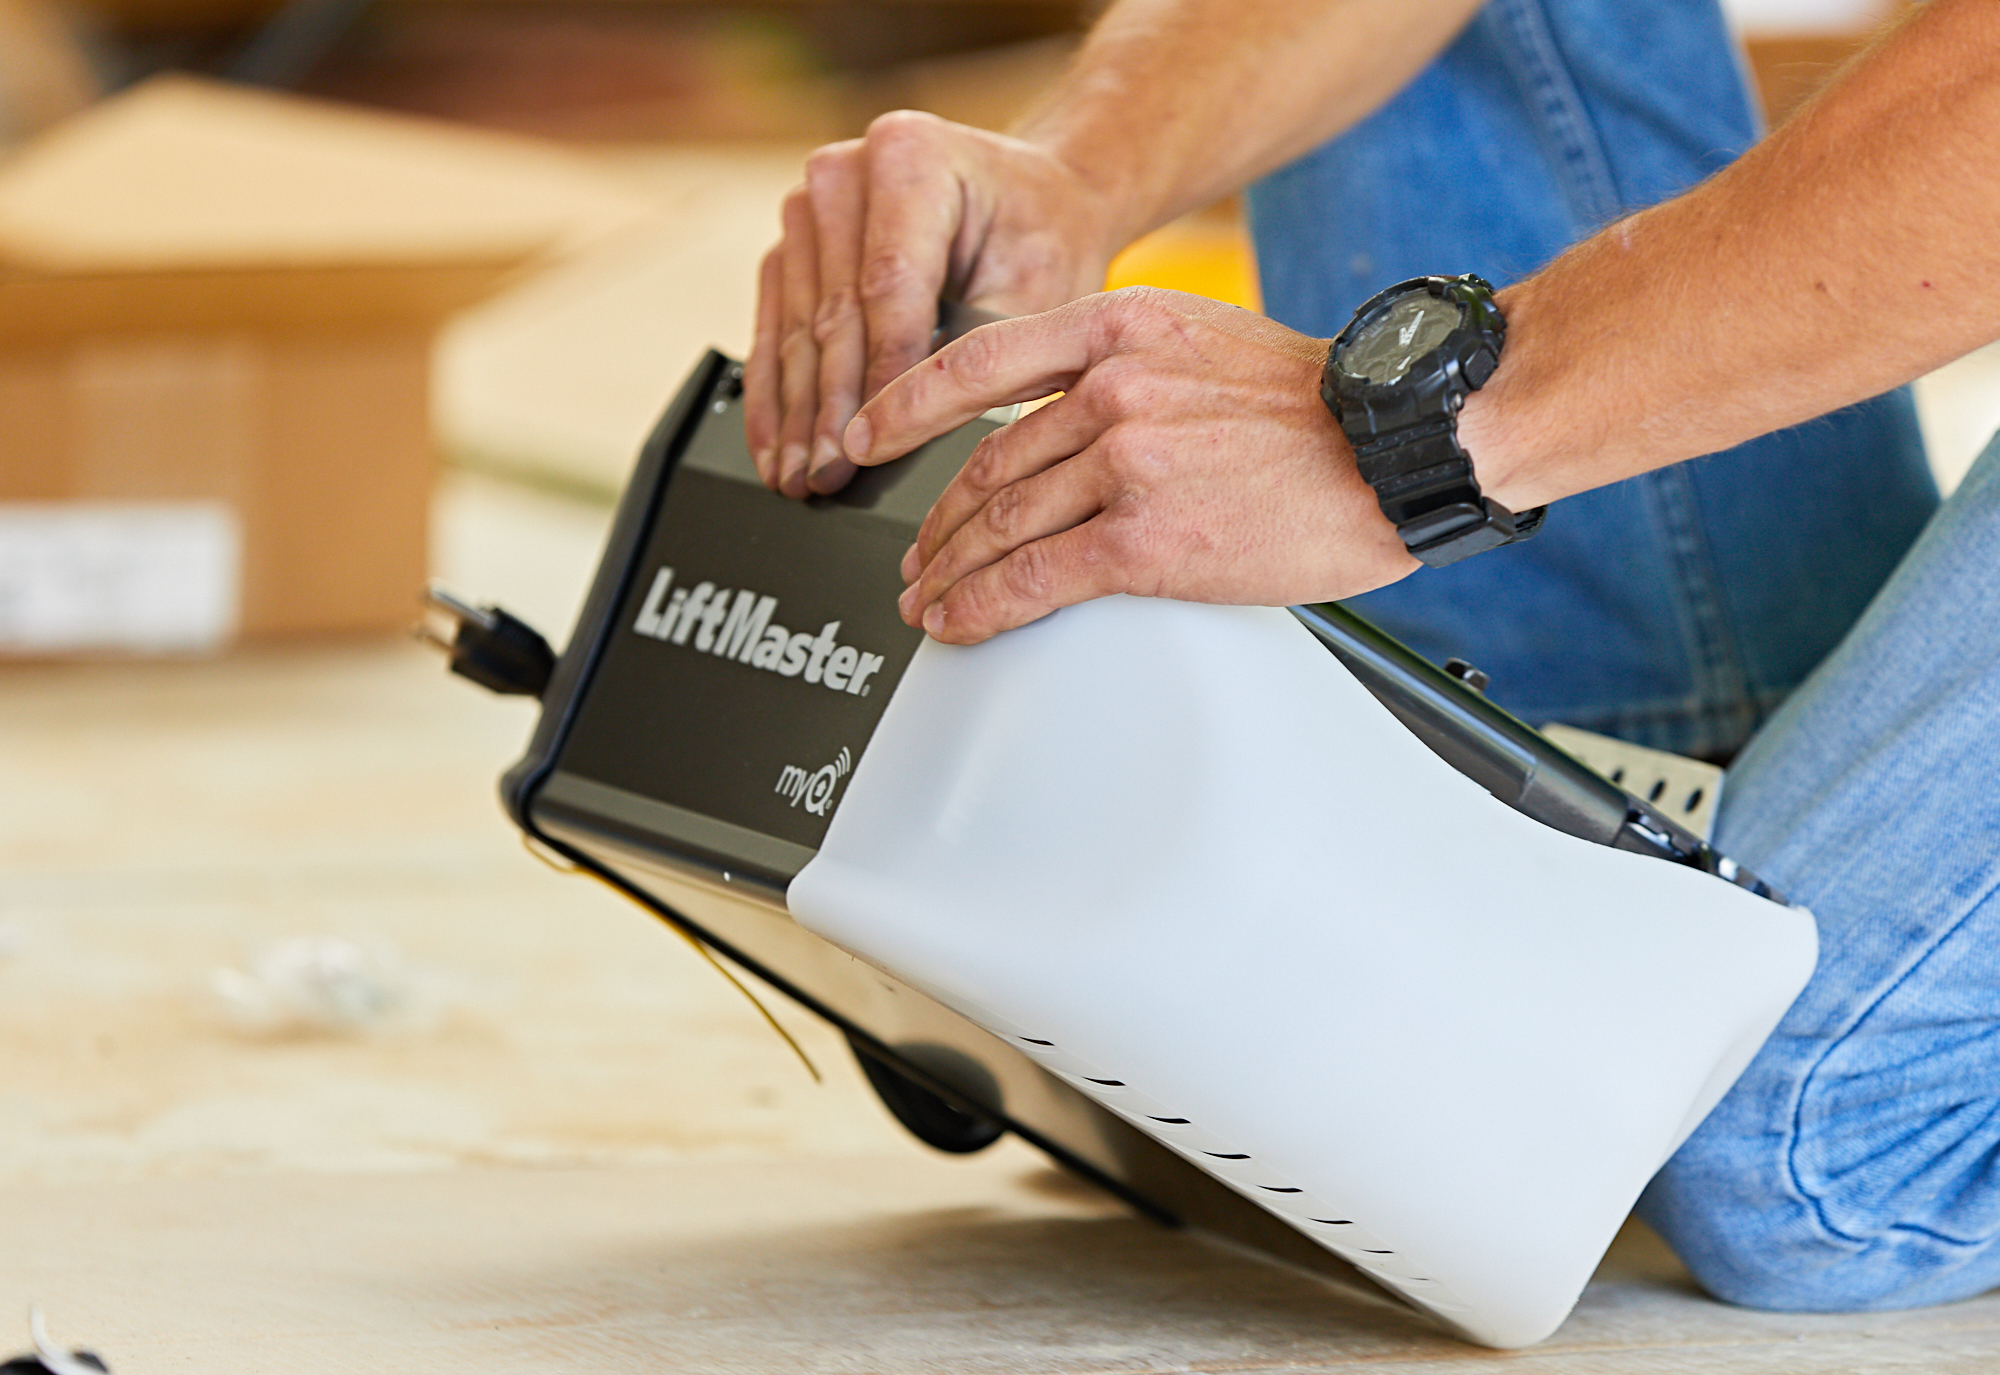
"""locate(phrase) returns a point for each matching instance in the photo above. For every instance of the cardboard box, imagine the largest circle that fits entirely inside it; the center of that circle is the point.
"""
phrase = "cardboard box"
(216, 314)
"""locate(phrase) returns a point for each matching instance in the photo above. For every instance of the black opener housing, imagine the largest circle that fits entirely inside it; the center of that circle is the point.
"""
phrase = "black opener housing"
(653, 765)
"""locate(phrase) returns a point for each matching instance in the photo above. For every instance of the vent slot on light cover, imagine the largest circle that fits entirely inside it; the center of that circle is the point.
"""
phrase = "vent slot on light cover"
(1238, 1170)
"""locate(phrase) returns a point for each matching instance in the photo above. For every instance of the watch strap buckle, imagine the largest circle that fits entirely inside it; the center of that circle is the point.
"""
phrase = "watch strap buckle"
(1459, 529)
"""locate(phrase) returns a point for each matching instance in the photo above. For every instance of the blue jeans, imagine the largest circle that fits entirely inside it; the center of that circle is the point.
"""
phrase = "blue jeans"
(1677, 609)
(1857, 1162)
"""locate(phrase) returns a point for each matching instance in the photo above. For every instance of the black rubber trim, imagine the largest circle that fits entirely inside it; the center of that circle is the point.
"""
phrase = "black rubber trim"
(616, 569)
(1501, 753)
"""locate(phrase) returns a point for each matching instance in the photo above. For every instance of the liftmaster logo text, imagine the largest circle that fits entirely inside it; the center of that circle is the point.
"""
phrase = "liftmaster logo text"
(738, 626)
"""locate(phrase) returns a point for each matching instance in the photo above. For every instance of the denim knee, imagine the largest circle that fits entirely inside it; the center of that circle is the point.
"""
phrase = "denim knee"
(1857, 1163)
(1779, 1257)
(1760, 1258)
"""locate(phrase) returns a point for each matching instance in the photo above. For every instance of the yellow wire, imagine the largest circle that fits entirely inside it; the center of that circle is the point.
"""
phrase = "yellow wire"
(565, 867)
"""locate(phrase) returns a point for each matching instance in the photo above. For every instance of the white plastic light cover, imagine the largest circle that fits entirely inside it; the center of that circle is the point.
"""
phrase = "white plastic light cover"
(1180, 856)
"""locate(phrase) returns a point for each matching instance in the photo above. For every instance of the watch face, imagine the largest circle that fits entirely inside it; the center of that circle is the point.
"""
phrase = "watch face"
(1410, 328)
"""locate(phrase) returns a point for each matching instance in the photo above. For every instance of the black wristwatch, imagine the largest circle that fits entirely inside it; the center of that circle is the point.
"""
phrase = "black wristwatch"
(1395, 379)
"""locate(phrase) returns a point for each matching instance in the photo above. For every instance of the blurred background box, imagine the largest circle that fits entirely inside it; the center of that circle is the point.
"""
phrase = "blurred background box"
(1795, 47)
(216, 314)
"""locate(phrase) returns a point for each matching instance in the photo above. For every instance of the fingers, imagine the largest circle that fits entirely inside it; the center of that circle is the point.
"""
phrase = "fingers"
(839, 205)
(798, 351)
(1031, 445)
(915, 214)
(761, 409)
(885, 226)
(851, 294)
(995, 365)
(1018, 514)
(1035, 579)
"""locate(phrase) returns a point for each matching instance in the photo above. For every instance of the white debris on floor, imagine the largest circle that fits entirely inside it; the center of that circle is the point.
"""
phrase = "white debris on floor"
(332, 986)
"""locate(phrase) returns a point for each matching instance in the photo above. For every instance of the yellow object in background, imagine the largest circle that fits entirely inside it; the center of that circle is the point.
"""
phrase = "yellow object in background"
(1207, 253)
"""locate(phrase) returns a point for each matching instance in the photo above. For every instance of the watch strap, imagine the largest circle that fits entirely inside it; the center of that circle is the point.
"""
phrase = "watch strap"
(1424, 484)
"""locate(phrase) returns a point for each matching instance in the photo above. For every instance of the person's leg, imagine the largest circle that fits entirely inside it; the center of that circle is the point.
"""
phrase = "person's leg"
(1676, 609)
(1857, 1163)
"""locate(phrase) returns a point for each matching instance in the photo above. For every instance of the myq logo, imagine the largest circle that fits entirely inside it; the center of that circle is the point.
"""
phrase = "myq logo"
(814, 791)
(741, 629)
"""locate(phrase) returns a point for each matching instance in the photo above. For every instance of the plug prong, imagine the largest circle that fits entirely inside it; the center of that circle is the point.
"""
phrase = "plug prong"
(441, 597)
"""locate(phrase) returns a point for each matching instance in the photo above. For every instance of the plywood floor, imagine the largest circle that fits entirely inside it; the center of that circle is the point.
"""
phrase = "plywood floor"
(592, 1155)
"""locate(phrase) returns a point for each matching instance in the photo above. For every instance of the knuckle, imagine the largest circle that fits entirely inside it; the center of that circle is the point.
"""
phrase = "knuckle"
(900, 128)
(1139, 302)
(830, 160)
(1119, 389)
(1028, 574)
(1135, 313)
(976, 358)
(1123, 542)
(986, 469)
(796, 346)
(1006, 513)
(886, 273)
(837, 313)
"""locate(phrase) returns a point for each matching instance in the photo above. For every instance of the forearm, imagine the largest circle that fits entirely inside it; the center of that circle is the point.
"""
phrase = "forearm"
(1173, 104)
(1856, 248)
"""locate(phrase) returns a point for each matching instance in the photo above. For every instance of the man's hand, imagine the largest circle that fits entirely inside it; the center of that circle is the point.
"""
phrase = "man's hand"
(1189, 456)
(884, 226)
(1170, 105)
